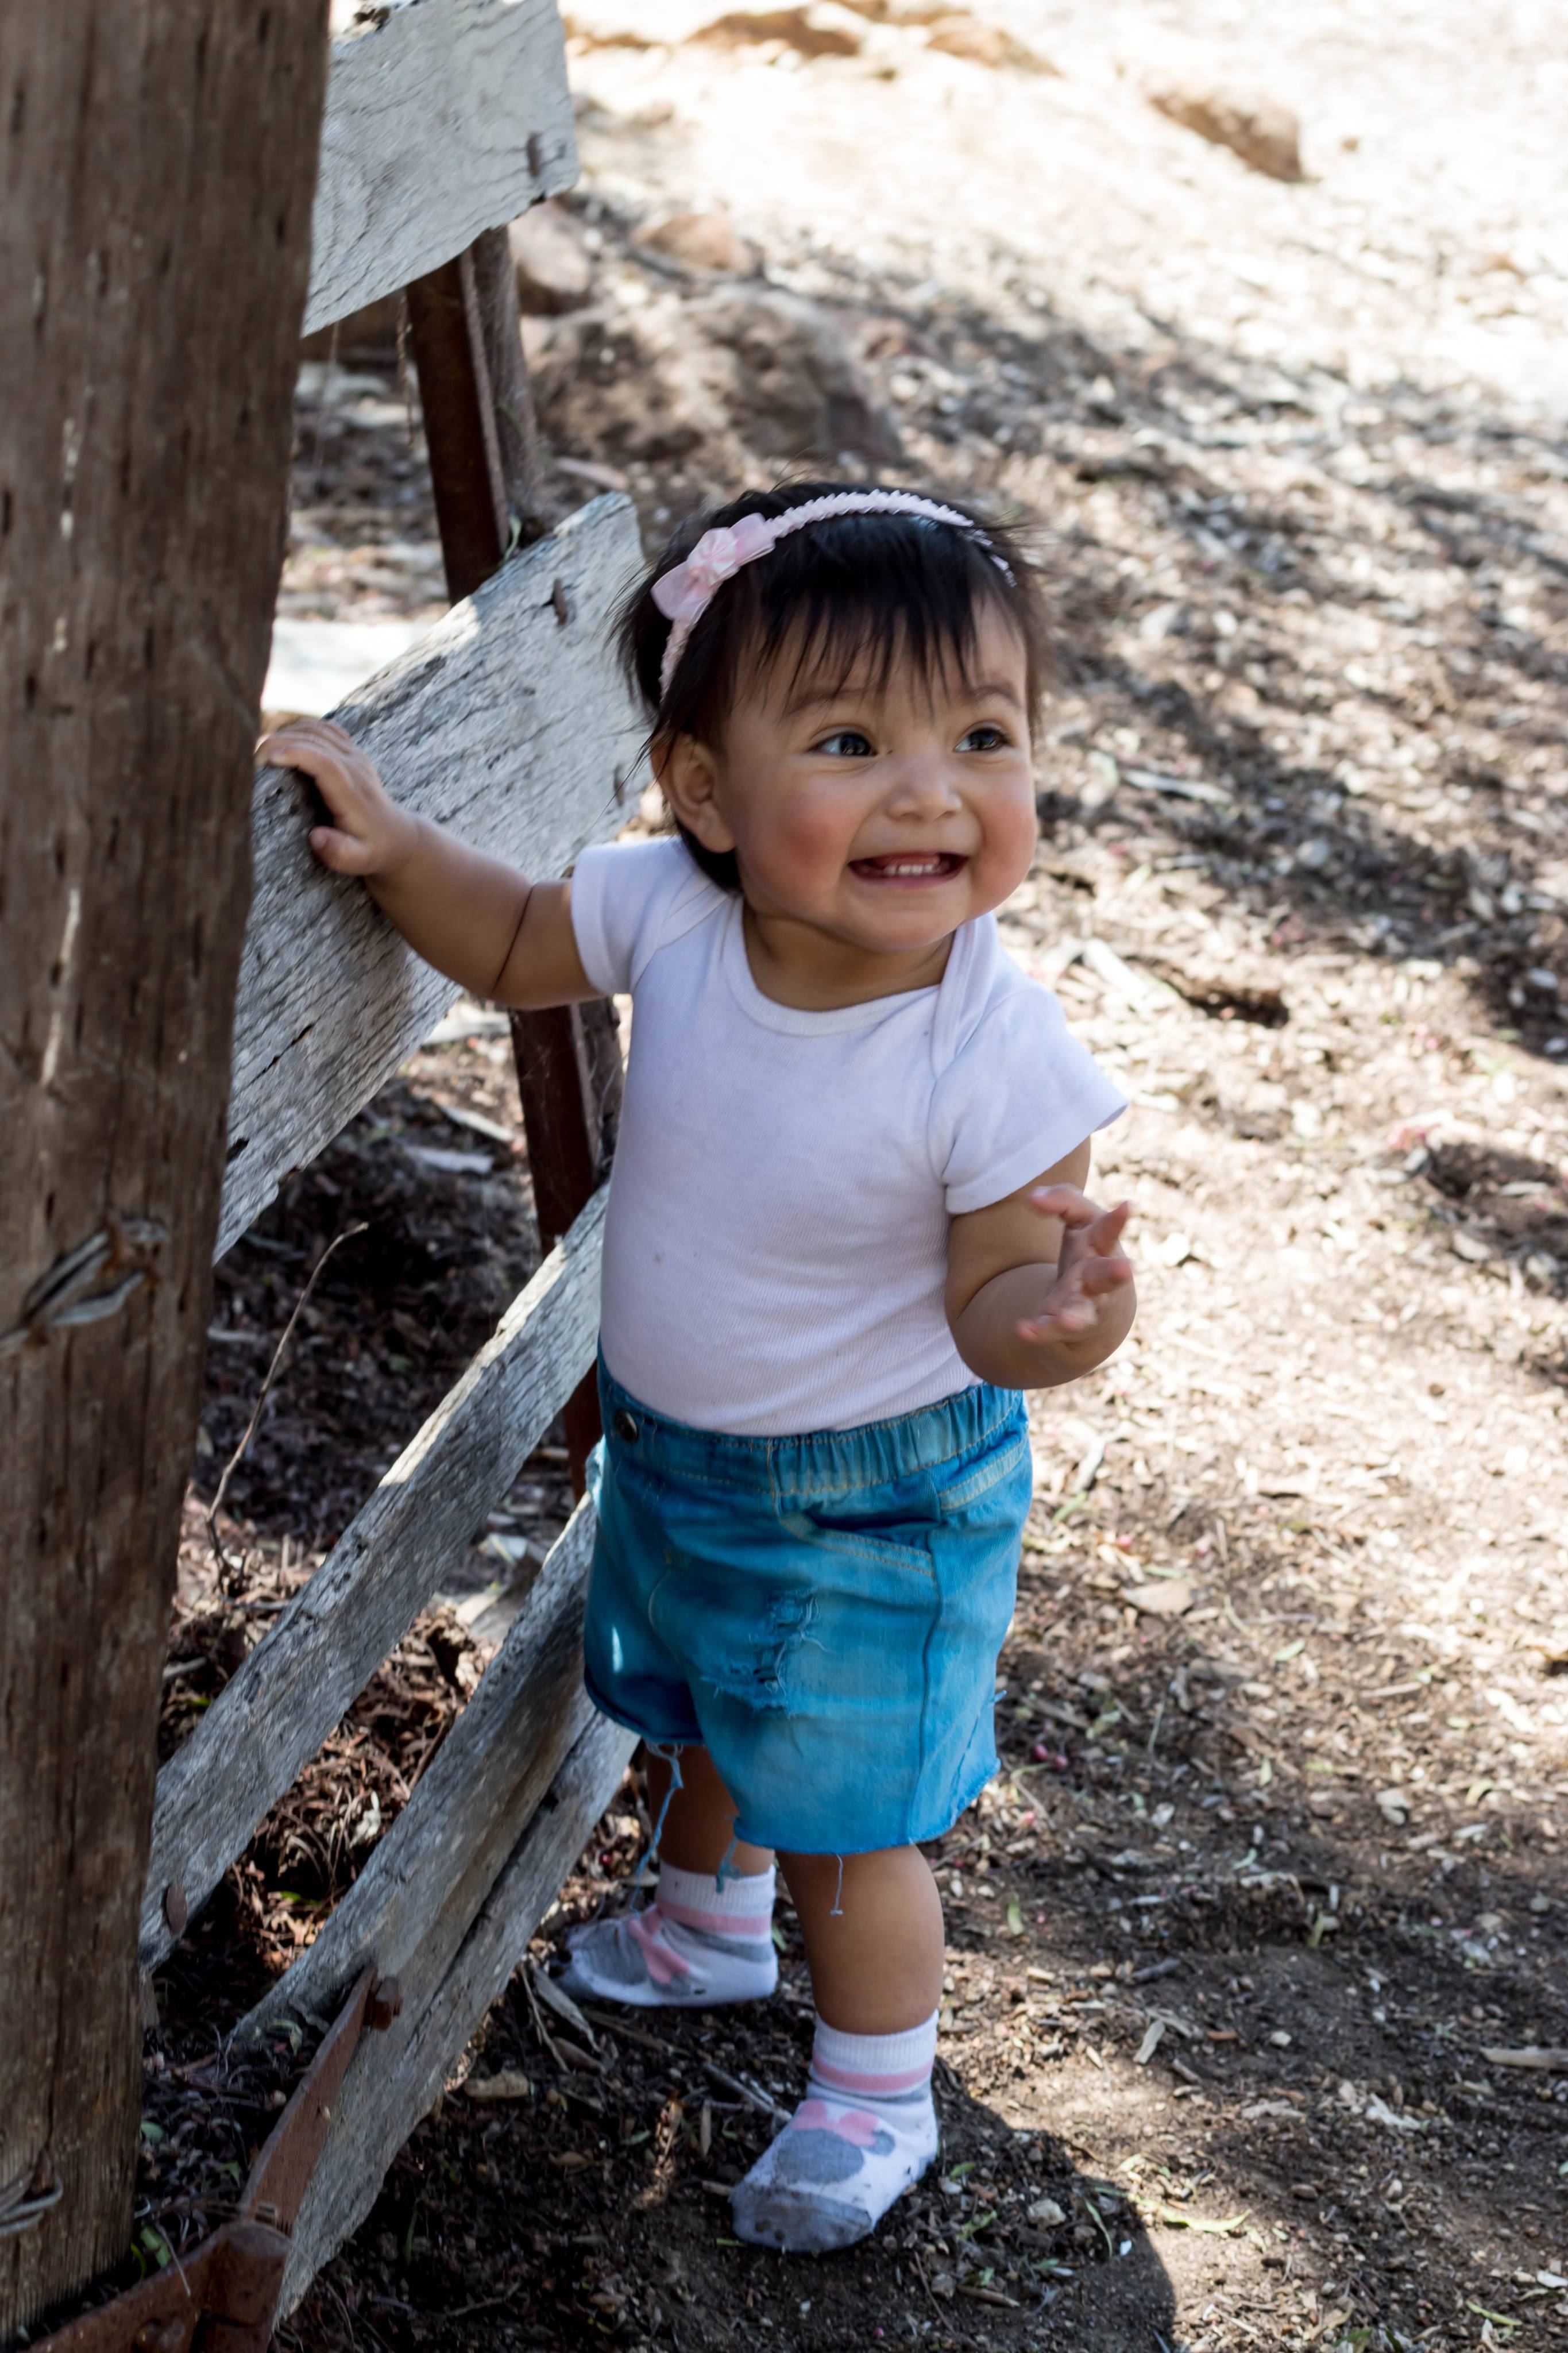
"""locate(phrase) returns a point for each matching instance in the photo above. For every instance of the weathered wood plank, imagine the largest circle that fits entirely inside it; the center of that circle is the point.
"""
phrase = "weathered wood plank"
(394, 2079)
(299, 1681)
(508, 723)
(444, 118)
(412, 1905)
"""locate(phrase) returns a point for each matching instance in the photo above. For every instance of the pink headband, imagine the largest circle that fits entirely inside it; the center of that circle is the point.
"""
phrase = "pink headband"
(686, 591)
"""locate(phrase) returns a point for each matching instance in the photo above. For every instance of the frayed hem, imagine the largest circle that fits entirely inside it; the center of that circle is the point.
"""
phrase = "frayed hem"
(918, 1835)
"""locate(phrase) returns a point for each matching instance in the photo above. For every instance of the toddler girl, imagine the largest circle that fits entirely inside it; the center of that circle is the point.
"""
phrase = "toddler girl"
(846, 1229)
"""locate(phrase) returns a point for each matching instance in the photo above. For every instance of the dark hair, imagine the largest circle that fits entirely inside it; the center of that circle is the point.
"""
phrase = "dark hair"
(892, 585)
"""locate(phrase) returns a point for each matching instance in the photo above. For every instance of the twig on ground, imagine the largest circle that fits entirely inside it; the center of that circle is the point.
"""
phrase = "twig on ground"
(234, 1568)
(752, 2094)
(540, 2027)
(920, 2275)
(618, 2026)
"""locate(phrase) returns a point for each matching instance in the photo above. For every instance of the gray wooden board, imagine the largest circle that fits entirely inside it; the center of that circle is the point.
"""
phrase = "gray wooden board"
(507, 723)
(411, 1906)
(275, 1712)
(395, 2078)
(443, 117)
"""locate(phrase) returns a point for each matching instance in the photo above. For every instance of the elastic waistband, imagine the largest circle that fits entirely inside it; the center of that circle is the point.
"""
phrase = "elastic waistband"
(822, 1462)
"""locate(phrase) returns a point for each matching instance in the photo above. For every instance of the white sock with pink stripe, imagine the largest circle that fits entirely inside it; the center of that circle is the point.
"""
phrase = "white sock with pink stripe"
(696, 1945)
(864, 2132)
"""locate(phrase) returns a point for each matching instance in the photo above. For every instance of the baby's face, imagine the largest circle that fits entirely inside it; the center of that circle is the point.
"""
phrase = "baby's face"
(884, 814)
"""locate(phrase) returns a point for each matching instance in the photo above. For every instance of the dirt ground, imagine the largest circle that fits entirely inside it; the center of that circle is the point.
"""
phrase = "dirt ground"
(1249, 1945)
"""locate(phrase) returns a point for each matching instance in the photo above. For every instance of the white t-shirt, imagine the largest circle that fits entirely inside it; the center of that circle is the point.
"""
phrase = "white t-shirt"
(775, 1248)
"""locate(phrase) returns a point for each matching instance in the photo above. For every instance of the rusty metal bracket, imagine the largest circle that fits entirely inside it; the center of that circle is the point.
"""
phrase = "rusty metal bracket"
(228, 2288)
(230, 2283)
(281, 2172)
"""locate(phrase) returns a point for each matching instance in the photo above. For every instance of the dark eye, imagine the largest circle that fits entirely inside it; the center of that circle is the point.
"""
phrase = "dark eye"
(986, 737)
(847, 744)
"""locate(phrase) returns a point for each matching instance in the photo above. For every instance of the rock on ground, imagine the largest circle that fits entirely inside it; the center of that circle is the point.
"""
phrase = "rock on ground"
(960, 35)
(700, 240)
(902, 12)
(1264, 133)
(744, 375)
(554, 268)
(819, 29)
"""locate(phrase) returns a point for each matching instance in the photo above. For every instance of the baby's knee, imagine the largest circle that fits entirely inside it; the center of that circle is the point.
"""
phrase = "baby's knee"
(818, 1882)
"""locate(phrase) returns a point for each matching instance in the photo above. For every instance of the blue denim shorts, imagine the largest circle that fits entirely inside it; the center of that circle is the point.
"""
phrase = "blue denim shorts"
(823, 1613)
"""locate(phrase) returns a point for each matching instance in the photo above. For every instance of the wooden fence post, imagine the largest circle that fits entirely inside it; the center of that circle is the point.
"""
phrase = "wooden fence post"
(484, 465)
(160, 156)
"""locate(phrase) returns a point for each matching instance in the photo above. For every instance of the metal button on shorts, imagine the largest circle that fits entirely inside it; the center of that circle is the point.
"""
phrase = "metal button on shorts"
(626, 1425)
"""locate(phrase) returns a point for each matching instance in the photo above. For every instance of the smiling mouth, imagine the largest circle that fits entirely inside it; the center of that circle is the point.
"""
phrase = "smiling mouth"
(908, 866)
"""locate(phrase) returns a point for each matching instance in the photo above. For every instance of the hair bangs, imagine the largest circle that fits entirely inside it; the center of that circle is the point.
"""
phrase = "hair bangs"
(856, 613)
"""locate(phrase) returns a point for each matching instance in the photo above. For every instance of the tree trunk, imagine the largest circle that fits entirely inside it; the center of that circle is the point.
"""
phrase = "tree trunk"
(160, 158)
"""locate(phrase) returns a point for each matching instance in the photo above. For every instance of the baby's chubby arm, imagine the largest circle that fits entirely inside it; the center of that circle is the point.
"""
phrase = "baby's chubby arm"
(475, 918)
(1038, 1290)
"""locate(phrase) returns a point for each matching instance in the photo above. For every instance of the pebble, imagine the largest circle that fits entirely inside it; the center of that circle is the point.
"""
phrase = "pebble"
(554, 268)
(701, 240)
(1264, 133)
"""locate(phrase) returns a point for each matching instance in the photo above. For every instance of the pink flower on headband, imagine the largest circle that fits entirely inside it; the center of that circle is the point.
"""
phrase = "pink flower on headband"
(684, 593)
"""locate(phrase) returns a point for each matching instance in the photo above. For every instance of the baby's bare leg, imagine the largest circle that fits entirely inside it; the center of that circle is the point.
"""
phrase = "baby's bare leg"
(875, 1945)
(698, 1943)
(866, 2128)
(699, 1824)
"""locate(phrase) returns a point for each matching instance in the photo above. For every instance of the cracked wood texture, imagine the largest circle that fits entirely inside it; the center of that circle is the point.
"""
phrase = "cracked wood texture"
(299, 1682)
(159, 162)
(443, 117)
(508, 721)
(397, 2078)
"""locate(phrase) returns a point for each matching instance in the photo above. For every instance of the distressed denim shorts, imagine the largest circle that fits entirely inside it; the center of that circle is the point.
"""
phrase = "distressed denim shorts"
(823, 1613)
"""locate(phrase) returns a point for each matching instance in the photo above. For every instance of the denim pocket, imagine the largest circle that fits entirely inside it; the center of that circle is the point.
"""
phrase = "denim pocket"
(977, 1479)
(910, 1555)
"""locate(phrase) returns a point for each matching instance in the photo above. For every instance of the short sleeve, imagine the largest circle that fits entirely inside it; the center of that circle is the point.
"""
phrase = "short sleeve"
(1020, 1093)
(629, 899)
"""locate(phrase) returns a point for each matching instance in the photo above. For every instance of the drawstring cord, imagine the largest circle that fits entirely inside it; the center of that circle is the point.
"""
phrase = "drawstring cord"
(670, 1756)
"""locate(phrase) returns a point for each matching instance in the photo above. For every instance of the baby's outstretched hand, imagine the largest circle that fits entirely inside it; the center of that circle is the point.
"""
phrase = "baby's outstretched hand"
(1091, 1267)
(369, 834)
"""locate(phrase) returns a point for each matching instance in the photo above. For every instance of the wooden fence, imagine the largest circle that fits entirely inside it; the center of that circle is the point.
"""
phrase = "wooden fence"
(508, 721)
